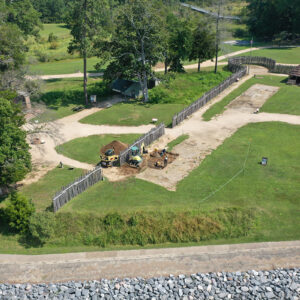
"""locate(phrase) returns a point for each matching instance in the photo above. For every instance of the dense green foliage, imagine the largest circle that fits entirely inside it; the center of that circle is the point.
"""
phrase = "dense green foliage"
(18, 212)
(266, 18)
(285, 101)
(60, 96)
(51, 11)
(203, 46)
(15, 160)
(87, 149)
(152, 227)
(41, 226)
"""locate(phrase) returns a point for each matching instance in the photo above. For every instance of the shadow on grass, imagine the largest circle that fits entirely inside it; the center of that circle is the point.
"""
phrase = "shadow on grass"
(284, 80)
(63, 98)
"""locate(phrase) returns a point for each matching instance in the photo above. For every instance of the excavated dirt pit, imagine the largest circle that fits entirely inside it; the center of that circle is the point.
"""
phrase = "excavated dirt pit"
(155, 159)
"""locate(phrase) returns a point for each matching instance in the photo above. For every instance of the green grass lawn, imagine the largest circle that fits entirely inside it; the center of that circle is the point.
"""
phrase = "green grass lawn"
(273, 190)
(165, 100)
(59, 96)
(66, 66)
(41, 192)
(177, 141)
(269, 192)
(281, 55)
(87, 149)
(285, 101)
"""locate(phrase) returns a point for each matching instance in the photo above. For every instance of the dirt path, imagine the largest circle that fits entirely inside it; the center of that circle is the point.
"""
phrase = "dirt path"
(205, 64)
(207, 136)
(200, 143)
(148, 263)
(45, 157)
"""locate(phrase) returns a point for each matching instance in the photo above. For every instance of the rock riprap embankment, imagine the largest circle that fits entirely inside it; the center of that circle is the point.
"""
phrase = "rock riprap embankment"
(274, 284)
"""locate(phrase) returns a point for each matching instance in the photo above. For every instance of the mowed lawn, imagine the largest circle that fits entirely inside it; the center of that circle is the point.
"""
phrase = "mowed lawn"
(273, 190)
(289, 55)
(165, 100)
(65, 66)
(285, 101)
(60, 96)
(42, 192)
(87, 149)
(270, 192)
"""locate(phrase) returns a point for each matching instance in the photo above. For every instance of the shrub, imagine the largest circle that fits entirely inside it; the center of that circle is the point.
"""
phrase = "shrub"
(41, 226)
(113, 219)
(52, 37)
(41, 56)
(18, 212)
(53, 45)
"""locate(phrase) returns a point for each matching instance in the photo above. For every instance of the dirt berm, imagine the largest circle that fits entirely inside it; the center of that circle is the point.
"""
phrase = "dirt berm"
(116, 145)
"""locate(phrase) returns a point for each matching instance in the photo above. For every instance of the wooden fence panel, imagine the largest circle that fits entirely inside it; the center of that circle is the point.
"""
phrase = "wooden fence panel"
(147, 139)
(186, 112)
(77, 187)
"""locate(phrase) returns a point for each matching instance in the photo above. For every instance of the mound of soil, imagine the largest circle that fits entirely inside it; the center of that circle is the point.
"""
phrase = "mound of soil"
(116, 145)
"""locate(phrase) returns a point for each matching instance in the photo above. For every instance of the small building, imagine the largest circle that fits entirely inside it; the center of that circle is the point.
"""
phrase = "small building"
(130, 88)
(294, 76)
(127, 88)
(23, 99)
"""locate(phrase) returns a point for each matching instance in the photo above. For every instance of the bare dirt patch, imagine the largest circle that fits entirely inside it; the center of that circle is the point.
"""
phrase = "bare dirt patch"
(117, 146)
(253, 98)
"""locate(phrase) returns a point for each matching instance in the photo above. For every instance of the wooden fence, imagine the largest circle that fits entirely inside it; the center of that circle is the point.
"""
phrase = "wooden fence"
(260, 61)
(239, 70)
(147, 139)
(77, 187)
(235, 65)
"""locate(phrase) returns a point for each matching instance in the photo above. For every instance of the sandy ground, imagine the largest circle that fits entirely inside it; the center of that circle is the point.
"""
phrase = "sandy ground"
(207, 136)
(148, 263)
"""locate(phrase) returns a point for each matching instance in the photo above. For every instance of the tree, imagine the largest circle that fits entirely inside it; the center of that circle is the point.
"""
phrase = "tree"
(15, 159)
(203, 45)
(267, 18)
(179, 44)
(12, 48)
(135, 45)
(18, 212)
(51, 11)
(22, 13)
(41, 226)
(86, 21)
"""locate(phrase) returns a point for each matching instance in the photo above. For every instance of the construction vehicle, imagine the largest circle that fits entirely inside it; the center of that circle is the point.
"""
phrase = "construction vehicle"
(135, 158)
(109, 159)
(136, 155)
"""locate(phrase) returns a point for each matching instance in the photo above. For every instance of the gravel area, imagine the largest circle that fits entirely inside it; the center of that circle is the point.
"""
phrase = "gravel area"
(274, 284)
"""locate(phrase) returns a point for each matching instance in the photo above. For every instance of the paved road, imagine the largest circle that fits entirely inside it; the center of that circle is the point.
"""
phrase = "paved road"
(148, 263)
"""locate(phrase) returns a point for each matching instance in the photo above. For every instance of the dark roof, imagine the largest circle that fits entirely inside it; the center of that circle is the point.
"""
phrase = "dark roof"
(295, 71)
(121, 85)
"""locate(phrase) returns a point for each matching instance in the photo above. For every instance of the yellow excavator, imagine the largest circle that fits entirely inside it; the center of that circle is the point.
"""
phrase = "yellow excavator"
(136, 155)
(109, 158)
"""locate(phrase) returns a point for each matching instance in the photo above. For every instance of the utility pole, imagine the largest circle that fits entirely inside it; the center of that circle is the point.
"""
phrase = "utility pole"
(85, 53)
(217, 35)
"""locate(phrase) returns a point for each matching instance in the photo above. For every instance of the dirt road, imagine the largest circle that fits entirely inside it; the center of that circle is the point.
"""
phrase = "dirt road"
(148, 263)
(205, 64)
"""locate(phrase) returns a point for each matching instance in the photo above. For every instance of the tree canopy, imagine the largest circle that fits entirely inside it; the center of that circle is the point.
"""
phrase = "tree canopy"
(135, 45)
(15, 160)
(267, 18)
